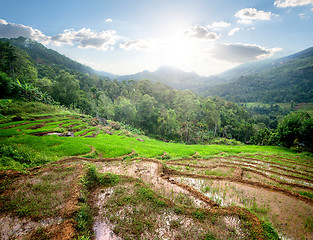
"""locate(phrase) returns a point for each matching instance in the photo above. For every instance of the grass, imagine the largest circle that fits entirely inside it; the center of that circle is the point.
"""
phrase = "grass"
(142, 207)
(307, 194)
(309, 224)
(269, 231)
(33, 109)
(90, 180)
(135, 211)
(8, 124)
(20, 157)
(83, 132)
(113, 145)
(40, 197)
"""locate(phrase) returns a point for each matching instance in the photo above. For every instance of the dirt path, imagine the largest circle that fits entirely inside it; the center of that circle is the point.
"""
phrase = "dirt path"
(92, 150)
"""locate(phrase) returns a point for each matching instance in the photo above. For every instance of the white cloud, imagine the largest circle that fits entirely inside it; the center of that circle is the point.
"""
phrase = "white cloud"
(239, 53)
(219, 25)
(86, 38)
(83, 38)
(12, 30)
(292, 3)
(233, 31)
(247, 15)
(139, 44)
(3, 22)
(108, 20)
(201, 32)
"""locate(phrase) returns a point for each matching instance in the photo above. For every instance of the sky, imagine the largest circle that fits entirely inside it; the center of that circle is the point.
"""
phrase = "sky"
(128, 36)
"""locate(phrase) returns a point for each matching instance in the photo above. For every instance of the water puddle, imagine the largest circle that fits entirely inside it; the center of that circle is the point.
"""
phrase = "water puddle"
(104, 231)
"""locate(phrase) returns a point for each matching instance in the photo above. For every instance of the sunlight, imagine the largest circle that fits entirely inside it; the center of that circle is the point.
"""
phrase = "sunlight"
(177, 51)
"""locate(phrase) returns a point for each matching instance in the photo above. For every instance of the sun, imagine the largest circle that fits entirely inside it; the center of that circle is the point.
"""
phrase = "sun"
(176, 51)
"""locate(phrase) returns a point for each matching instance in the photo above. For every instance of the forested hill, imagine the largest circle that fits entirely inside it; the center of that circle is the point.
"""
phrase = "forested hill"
(42, 55)
(283, 80)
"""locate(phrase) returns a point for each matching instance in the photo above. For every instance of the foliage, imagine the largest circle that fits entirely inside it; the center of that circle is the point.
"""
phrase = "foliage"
(285, 80)
(296, 130)
(151, 108)
(269, 231)
(20, 157)
(93, 178)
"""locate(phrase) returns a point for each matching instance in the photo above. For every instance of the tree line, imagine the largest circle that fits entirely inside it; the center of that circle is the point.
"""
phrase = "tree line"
(154, 108)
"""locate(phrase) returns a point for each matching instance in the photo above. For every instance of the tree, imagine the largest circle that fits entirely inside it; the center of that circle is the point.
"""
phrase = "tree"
(5, 85)
(66, 89)
(294, 129)
(167, 123)
(125, 111)
(147, 113)
(211, 118)
(106, 107)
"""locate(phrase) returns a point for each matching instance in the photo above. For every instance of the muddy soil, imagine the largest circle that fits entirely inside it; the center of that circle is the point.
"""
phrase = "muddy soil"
(278, 207)
(58, 224)
(240, 184)
(148, 173)
(169, 225)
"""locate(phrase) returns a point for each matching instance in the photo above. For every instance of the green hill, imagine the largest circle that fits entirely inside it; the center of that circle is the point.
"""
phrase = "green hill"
(42, 55)
(283, 80)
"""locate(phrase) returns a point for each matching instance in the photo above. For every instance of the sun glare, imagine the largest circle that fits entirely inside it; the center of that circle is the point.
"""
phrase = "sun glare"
(176, 51)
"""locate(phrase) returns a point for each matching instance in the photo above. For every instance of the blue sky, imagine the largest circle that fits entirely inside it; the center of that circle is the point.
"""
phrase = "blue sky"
(128, 36)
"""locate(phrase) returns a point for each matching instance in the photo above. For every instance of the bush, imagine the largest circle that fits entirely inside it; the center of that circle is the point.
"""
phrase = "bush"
(93, 178)
(269, 232)
(296, 130)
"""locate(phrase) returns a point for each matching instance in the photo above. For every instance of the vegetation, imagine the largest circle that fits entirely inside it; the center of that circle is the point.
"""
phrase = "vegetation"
(153, 108)
(164, 163)
(145, 207)
(287, 80)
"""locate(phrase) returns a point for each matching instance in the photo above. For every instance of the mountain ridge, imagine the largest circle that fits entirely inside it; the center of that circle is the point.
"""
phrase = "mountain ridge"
(284, 80)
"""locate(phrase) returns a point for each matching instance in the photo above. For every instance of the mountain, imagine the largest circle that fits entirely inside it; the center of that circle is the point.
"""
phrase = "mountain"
(245, 69)
(173, 77)
(42, 55)
(283, 80)
(106, 74)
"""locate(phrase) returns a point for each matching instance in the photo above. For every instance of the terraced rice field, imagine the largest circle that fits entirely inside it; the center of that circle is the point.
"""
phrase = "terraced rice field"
(166, 190)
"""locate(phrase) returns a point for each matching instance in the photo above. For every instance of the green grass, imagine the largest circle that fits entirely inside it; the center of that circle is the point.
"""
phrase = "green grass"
(116, 145)
(8, 124)
(269, 231)
(33, 109)
(19, 157)
(71, 123)
(307, 194)
(84, 131)
(90, 180)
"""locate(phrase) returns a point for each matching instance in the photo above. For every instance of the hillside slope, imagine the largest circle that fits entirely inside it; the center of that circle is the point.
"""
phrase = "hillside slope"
(42, 55)
(284, 80)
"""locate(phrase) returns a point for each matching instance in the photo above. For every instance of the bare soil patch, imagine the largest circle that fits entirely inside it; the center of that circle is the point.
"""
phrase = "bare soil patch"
(41, 203)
